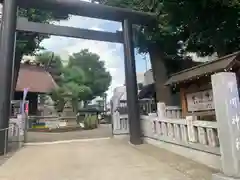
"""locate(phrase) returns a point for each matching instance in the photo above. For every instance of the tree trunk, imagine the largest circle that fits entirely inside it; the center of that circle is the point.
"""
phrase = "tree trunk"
(85, 103)
(15, 74)
(160, 76)
(75, 106)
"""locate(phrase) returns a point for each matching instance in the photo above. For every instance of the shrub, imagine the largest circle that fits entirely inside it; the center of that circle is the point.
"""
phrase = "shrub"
(90, 122)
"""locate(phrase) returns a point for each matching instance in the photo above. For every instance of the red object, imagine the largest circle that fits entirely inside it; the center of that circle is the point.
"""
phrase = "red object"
(26, 108)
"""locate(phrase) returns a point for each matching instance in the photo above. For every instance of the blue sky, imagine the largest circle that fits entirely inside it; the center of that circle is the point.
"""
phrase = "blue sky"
(110, 53)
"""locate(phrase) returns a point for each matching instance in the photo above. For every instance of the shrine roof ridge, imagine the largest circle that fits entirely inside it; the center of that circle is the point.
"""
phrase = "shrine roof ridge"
(204, 68)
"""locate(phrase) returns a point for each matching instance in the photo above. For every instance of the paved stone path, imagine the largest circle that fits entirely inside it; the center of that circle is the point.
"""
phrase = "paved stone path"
(102, 159)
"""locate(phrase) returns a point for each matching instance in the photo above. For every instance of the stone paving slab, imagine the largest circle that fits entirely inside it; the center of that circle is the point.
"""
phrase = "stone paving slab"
(186, 166)
(106, 159)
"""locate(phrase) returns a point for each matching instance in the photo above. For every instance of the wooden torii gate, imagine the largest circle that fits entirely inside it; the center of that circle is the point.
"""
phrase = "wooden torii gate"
(11, 24)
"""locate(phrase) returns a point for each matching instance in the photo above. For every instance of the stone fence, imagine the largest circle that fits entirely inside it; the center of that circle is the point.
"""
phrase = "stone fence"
(171, 128)
(195, 134)
(219, 138)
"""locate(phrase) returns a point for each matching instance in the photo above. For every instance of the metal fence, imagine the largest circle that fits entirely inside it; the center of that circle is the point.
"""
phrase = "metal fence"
(13, 140)
(146, 106)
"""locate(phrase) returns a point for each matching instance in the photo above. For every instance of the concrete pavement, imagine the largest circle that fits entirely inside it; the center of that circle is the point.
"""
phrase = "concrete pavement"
(102, 159)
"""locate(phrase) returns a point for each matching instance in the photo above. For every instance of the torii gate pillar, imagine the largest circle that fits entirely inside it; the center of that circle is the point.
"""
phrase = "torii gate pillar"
(7, 45)
(131, 85)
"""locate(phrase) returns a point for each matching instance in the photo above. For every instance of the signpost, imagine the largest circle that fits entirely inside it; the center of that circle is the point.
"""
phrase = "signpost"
(227, 108)
(200, 101)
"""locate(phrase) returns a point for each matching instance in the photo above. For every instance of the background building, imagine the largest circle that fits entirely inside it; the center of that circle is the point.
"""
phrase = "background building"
(37, 80)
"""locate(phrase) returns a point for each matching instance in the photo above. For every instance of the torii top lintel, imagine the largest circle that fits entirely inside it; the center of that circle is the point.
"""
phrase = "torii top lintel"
(92, 10)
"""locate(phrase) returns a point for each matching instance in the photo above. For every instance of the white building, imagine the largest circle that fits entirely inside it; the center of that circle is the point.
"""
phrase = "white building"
(140, 77)
(120, 93)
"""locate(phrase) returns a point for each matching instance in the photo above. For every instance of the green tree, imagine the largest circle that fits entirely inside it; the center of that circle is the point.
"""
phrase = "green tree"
(209, 26)
(58, 97)
(201, 26)
(76, 93)
(75, 84)
(71, 89)
(204, 26)
(52, 63)
(159, 40)
(98, 79)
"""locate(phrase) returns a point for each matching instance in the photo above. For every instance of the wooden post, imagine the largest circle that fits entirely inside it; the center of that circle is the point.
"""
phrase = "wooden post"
(131, 85)
(183, 102)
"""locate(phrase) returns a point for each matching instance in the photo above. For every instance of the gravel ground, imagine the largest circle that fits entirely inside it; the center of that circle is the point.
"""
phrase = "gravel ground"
(104, 130)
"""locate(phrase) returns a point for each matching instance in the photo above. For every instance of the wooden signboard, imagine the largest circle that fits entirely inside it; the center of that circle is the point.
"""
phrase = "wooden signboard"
(200, 101)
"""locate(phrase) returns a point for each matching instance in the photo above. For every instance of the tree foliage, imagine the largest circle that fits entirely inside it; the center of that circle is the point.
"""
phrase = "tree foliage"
(71, 89)
(98, 79)
(205, 26)
(57, 95)
(52, 63)
(159, 39)
(209, 26)
(29, 42)
(74, 81)
(83, 79)
(159, 33)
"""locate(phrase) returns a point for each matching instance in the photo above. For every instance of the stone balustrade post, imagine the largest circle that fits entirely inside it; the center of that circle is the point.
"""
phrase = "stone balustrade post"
(161, 110)
(192, 134)
(227, 109)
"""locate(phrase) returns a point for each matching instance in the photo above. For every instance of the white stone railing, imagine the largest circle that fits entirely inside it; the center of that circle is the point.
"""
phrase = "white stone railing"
(195, 134)
(168, 126)
(120, 124)
(173, 112)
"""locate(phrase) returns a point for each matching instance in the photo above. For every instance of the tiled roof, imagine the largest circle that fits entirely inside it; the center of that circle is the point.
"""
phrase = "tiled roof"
(35, 78)
(210, 67)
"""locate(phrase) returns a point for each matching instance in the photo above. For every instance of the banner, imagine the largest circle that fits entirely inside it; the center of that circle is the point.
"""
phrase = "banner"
(25, 91)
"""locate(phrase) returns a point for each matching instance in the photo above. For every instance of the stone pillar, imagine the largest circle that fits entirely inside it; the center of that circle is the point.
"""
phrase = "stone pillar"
(192, 134)
(227, 108)
(161, 110)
